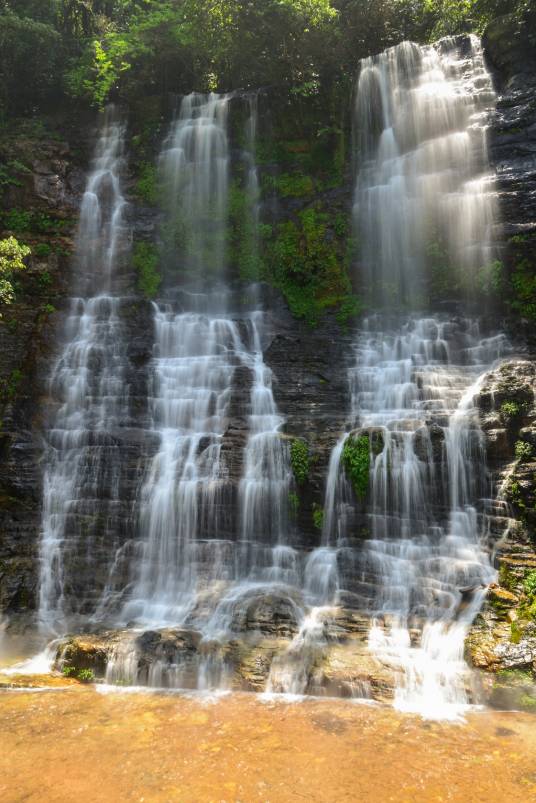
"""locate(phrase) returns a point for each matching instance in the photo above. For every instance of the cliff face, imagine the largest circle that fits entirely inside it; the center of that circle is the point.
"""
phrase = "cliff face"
(39, 206)
(309, 362)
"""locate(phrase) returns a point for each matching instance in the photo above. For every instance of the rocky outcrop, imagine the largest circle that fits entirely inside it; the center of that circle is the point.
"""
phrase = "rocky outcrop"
(510, 52)
(39, 207)
(251, 660)
(503, 637)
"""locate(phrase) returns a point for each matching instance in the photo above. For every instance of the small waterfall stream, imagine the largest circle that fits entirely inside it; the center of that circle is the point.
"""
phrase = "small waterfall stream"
(88, 396)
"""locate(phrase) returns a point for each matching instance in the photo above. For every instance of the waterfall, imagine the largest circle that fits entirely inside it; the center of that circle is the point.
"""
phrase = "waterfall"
(88, 399)
(195, 360)
(422, 568)
(195, 569)
(424, 181)
(194, 166)
(265, 485)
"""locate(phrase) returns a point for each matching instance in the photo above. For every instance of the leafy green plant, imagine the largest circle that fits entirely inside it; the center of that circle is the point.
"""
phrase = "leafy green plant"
(529, 584)
(10, 172)
(300, 460)
(42, 250)
(318, 516)
(351, 307)
(147, 183)
(68, 671)
(509, 410)
(524, 290)
(523, 451)
(490, 278)
(145, 259)
(12, 256)
(294, 503)
(45, 279)
(356, 461)
(86, 675)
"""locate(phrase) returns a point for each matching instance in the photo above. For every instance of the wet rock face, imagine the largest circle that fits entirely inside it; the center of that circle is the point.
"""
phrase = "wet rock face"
(47, 192)
(310, 368)
(513, 126)
(180, 658)
(503, 637)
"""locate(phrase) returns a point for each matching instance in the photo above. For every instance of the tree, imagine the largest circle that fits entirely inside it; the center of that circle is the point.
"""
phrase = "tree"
(12, 256)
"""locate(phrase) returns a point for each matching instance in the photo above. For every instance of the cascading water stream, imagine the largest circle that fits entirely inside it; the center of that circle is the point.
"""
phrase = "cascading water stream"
(196, 570)
(423, 184)
(421, 571)
(88, 397)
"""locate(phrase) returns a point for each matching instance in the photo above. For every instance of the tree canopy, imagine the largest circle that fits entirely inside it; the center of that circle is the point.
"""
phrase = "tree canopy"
(94, 50)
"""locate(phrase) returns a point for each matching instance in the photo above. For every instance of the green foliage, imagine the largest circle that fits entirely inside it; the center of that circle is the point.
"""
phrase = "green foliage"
(294, 504)
(318, 516)
(43, 250)
(146, 260)
(523, 451)
(308, 266)
(529, 585)
(524, 290)
(12, 256)
(13, 383)
(356, 461)
(290, 185)
(86, 675)
(244, 234)
(98, 49)
(506, 578)
(351, 307)
(24, 220)
(516, 632)
(509, 411)
(490, 278)
(10, 173)
(31, 51)
(147, 183)
(68, 671)
(300, 460)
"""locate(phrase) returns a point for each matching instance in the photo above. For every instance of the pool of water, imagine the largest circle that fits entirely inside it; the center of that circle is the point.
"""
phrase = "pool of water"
(83, 744)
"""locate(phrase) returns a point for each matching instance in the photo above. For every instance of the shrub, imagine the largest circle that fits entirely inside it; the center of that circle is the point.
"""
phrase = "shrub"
(529, 584)
(356, 461)
(299, 460)
(523, 451)
(86, 675)
(68, 671)
(146, 259)
(147, 184)
(12, 256)
(42, 250)
(318, 516)
(509, 410)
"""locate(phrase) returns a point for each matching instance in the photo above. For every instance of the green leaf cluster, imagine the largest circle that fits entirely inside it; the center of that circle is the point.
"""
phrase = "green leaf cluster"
(300, 460)
(145, 259)
(12, 256)
(356, 460)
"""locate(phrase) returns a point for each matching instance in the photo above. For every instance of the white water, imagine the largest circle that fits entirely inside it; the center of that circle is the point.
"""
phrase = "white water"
(196, 358)
(87, 394)
(195, 173)
(424, 180)
(196, 569)
(422, 569)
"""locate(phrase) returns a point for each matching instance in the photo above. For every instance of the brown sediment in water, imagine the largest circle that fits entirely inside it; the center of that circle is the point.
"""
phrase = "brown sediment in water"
(79, 745)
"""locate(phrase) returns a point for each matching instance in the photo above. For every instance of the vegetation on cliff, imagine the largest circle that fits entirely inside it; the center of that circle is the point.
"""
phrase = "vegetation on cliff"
(12, 256)
(121, 48)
